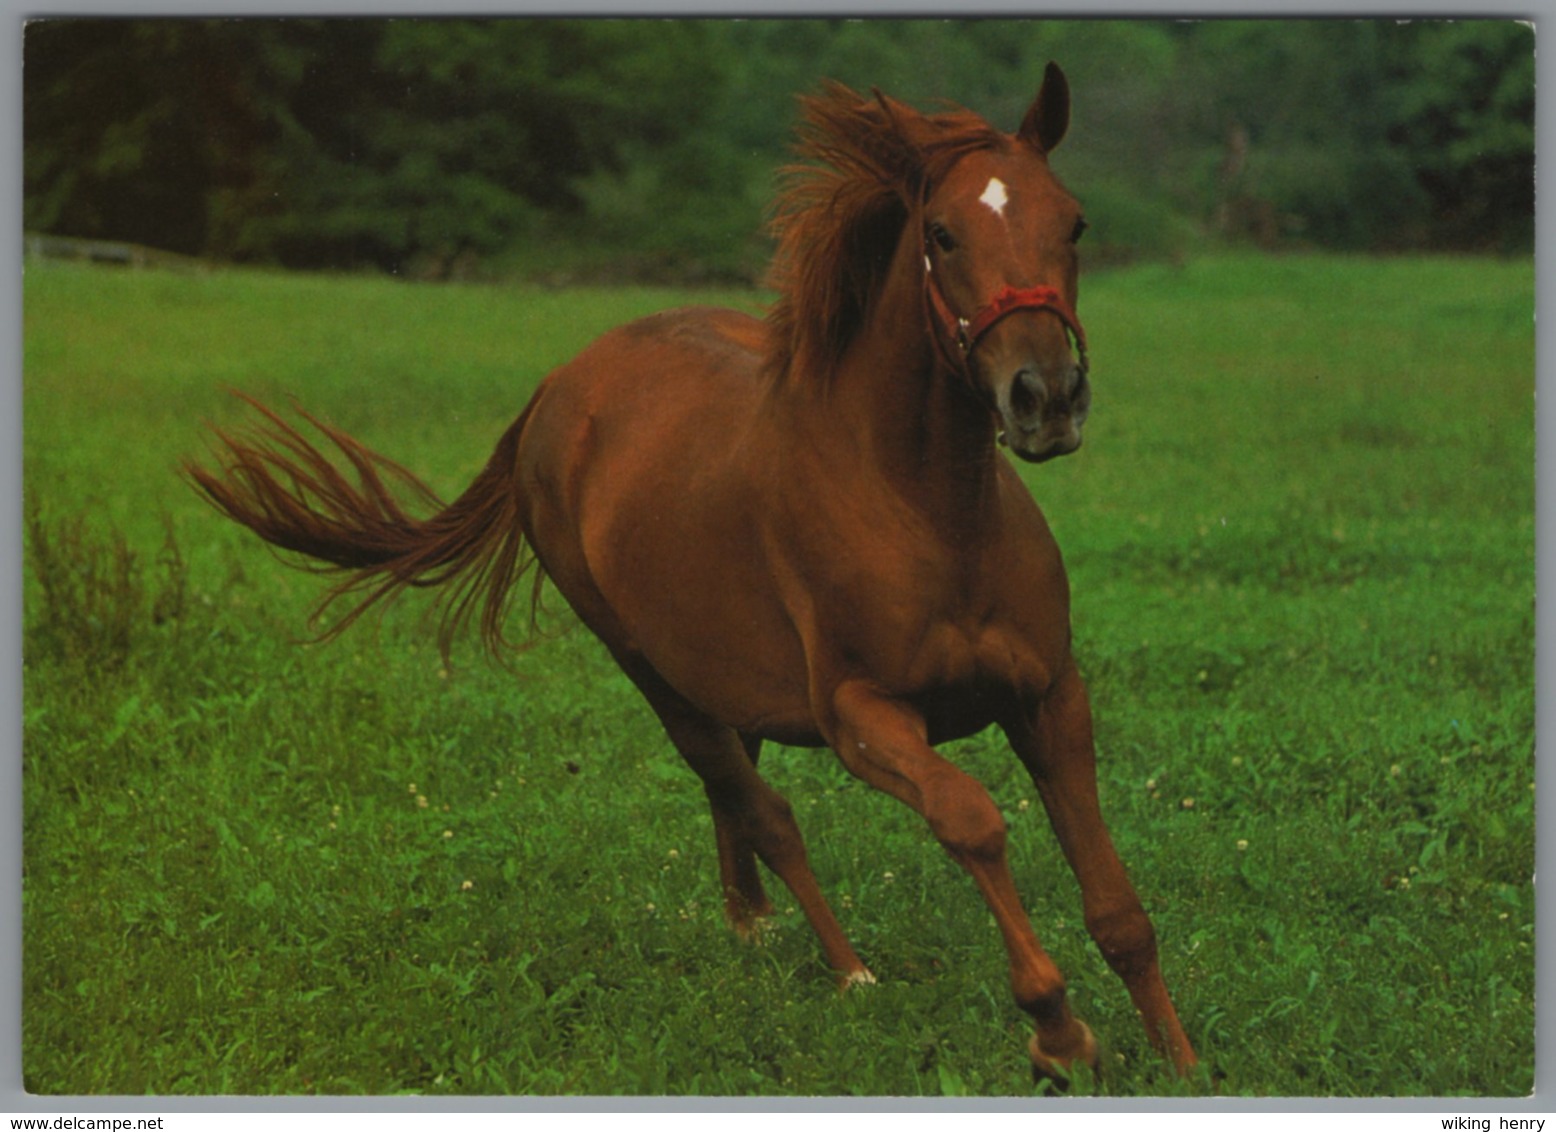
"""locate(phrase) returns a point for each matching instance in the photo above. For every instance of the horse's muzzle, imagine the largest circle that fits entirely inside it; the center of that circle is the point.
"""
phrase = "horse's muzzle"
(1042, 415)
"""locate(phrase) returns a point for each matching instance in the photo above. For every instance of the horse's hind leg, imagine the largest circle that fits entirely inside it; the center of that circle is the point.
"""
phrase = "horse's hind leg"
(745, 900)
(751, 820)
(1059, 753)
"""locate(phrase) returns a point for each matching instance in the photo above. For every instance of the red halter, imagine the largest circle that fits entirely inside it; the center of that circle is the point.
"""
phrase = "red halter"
(967, 332)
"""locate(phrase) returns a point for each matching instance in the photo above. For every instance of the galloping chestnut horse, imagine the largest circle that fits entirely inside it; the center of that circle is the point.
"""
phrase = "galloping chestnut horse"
(803, 529)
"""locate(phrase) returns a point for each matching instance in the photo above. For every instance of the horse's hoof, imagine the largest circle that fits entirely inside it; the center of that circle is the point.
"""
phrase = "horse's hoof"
(750, 928)
(747, 920)
(1054, 1065)
(861, 977)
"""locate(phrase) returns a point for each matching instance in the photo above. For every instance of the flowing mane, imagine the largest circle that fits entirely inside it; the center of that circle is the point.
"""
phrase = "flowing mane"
(862, 160)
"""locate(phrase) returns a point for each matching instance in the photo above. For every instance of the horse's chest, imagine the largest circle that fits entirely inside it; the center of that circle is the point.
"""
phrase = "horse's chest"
(960, 674)
(962, 682)
(980, 660)
(958, 631)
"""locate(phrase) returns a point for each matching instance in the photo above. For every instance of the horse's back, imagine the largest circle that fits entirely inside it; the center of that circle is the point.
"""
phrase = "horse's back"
(635, 397)
(637, 493)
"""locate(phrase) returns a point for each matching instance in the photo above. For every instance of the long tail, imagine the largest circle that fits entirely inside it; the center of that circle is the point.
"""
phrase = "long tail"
(274, 481)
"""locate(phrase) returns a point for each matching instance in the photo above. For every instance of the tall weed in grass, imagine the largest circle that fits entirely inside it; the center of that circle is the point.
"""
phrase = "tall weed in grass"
(93, 593)
(1301, 547)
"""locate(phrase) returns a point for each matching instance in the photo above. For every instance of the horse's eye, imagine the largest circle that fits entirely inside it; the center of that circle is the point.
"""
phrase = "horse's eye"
(943, 239)
(1080, 230)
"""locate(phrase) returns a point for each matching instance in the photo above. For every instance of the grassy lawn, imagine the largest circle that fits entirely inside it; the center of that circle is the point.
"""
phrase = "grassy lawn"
(1301, 542)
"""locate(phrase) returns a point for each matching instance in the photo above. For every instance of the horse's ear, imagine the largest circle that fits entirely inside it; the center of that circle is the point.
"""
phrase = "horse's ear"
(1049, 116)
(900, 119)
(896, 115)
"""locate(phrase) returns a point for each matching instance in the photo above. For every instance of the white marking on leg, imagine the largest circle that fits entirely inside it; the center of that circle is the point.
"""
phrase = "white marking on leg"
(855, 978)
(995, 196)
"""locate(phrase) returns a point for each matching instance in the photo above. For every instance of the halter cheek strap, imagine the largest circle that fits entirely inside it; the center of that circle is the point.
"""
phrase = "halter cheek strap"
(966, 333)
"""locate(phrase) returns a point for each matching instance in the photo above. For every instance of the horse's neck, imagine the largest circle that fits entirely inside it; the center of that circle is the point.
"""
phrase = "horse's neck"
(917, 423)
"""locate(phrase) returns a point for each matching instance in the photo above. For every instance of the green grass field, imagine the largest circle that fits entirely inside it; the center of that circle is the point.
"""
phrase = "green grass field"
(1301, 542)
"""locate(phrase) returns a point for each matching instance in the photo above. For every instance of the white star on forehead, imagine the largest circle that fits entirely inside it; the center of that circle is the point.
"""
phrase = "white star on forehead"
(994, 196)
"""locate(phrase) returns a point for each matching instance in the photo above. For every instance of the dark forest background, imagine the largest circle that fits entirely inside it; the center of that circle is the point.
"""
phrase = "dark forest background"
(648, 148)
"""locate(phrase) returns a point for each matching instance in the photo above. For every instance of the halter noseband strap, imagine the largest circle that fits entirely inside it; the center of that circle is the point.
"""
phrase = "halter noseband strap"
(967, 332)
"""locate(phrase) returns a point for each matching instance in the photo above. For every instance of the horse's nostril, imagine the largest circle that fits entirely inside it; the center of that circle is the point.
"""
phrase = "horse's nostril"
(1026, 394)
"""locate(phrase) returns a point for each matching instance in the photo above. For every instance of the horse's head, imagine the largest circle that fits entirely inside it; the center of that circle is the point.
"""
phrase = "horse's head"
(999, 234)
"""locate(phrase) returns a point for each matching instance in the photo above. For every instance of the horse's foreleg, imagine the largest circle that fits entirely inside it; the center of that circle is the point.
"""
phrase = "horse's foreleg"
(885, 744)
(1058, 752)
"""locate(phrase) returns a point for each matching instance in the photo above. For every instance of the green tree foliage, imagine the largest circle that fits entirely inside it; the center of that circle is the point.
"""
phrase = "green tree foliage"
(650, 146)
(328, 143)
(1464, 111)
(451, 139)
(149, 130)
(1363, 134)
